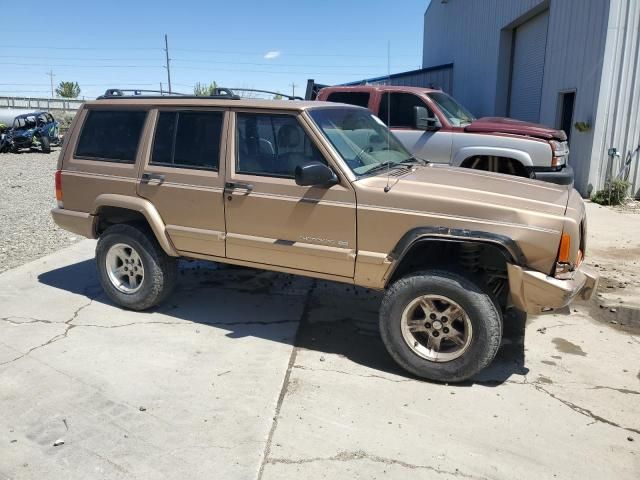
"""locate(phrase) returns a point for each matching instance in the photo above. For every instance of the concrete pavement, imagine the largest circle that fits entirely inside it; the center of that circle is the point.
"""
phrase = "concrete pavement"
(245, 374)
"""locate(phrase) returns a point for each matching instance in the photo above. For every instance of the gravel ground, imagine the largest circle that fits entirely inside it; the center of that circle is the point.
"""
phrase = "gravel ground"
(27, 195)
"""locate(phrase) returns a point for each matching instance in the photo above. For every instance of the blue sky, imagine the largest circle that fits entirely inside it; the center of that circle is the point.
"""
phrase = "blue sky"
(252, 44)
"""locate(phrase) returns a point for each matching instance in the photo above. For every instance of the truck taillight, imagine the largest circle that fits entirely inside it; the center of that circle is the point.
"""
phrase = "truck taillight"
(58, 182)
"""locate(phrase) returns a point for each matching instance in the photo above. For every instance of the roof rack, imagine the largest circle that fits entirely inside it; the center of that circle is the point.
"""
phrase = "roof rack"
(253, 90)
(111, 93)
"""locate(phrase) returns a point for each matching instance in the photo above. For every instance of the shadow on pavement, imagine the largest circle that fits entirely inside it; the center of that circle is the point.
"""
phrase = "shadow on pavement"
(337, 318)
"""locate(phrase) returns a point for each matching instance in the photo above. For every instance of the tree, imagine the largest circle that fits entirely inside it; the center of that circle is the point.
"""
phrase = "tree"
(203, 90)
(277, 96)
(68, 90)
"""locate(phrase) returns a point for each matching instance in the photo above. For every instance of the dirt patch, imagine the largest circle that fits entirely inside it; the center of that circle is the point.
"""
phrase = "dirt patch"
(565, 346)
(620, 317)
(543, 379)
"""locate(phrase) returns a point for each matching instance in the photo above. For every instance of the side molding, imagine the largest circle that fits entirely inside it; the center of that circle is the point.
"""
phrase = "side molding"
(143, 206)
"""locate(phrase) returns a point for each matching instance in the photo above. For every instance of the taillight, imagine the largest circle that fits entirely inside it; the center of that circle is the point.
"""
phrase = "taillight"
(58, 178)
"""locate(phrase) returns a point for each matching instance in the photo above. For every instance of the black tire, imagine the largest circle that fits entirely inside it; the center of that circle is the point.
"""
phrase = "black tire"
(45, 144)
(482, 311)
(160, 270)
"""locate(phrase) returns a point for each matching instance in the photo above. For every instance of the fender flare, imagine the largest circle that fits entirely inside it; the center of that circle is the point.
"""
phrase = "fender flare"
(467, 152)
(509, 248)
(146, 208)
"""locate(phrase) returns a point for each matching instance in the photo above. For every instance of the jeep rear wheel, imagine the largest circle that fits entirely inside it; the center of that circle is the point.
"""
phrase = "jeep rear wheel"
(440, 325)
(134, 271)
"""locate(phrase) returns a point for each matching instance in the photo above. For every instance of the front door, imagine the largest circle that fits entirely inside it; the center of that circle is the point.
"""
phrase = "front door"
(396, 110)
(270, 219)
(184, 179)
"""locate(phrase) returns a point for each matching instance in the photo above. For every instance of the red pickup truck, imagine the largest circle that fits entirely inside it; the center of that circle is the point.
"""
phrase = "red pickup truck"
(435, 127)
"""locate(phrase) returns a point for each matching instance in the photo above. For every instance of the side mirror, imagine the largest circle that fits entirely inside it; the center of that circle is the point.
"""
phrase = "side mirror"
(422, 120)
(315, 174)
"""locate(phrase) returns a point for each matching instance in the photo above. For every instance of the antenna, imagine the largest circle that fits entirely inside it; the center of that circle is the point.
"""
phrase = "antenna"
(168, 64)
(387, 188)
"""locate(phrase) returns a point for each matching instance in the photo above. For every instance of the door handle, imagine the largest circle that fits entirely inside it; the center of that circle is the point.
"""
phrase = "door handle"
(238, 186)
(147, 177)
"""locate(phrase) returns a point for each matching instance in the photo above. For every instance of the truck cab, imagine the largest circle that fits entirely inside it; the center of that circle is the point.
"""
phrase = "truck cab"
(434, 126)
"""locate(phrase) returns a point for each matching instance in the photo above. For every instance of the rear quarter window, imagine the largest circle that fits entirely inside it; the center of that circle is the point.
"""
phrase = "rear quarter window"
(360, 99)
(111, 135)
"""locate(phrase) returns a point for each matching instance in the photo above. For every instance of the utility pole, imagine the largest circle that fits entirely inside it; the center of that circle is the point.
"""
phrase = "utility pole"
(293, 89)
(167, 66)
(51, 75)
(160, 88)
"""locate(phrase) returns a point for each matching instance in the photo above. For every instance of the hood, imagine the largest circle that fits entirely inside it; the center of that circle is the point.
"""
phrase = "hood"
(475, 195)
(517, 127)
(529, 212)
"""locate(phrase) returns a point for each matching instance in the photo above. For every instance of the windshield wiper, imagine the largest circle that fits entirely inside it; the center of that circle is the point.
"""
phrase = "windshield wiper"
(415, 161)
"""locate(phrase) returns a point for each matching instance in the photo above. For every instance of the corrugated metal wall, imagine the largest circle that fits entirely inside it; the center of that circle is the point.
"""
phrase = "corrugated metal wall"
(618, 121)
(467, 34)
(436, 78)
(477, 36)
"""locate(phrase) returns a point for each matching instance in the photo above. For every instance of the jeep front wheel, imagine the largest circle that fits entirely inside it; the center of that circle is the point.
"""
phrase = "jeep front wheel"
(134, 271)
(440, 326)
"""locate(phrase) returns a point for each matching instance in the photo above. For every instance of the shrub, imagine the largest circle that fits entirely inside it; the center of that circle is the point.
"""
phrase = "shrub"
(613, 193)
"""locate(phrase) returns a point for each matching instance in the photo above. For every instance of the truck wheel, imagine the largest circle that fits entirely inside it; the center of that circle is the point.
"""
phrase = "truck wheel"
(440, 326)
(45, 144)
(134, 270)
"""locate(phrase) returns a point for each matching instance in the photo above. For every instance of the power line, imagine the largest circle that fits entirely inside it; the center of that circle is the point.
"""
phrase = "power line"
(186, 60)
(291, 54)
(194, 68)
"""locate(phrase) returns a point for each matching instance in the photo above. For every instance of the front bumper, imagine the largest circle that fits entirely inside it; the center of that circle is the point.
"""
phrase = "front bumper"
(535, 293)
(564, 176)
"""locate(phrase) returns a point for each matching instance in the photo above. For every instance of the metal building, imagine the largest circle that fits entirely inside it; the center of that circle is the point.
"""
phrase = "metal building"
(572, 64)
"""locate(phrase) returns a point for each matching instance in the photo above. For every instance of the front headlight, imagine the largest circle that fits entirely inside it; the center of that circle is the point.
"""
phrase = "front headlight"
(560, 152)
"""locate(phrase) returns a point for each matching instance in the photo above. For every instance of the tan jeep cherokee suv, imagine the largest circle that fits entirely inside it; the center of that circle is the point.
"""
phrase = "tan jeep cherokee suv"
(321, 190)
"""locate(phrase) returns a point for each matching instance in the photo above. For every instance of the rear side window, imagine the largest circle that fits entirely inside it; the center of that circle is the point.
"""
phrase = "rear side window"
(111, 136)
(188, 140)
(360, 99)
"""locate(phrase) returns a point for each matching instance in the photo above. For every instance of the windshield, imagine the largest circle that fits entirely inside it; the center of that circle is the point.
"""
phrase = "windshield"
(361, 139)
(455, 113)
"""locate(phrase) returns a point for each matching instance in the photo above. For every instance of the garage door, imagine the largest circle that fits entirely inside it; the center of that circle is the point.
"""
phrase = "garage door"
(527, 68)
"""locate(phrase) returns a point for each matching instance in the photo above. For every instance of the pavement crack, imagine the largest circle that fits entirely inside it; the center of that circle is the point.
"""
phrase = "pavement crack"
(626, 391)
(187, 323)
(583, 411)
(357, 455)
(56, 338)
(25, 320)
(402, 380)
(304, 320)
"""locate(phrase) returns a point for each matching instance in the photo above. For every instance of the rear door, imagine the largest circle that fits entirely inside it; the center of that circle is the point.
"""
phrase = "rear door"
(396, 110)
(183, 176)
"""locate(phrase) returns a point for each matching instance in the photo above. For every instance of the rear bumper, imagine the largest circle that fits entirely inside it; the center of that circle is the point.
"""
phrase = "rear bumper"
(535, 293)
(80, 223)
(563, 176)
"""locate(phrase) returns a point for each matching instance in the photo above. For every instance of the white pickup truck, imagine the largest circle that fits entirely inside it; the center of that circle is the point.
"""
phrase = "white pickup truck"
(435, 127)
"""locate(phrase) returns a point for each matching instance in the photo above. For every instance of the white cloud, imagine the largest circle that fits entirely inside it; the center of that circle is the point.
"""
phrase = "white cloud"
(272, 54)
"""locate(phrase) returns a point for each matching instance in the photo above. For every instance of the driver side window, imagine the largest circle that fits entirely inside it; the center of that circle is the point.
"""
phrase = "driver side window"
(396, 109)
(272, 145)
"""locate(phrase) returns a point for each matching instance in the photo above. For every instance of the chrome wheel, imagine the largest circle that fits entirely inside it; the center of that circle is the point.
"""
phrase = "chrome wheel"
(124, 268)
(436, 328)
